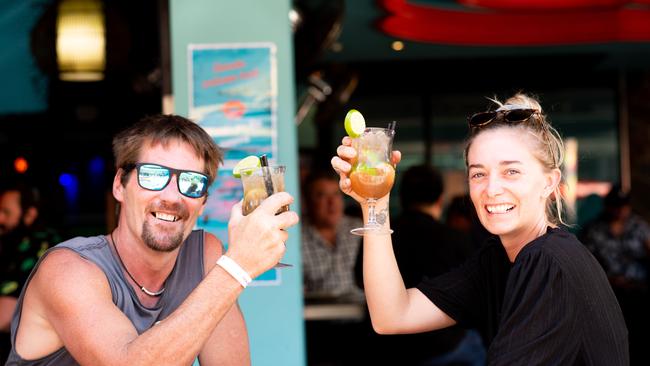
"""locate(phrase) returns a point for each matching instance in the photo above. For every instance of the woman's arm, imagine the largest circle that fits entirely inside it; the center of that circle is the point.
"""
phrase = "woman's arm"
(393, 308)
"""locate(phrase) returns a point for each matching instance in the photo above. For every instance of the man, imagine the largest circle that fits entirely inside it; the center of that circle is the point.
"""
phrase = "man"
(329, 251)
(620, 240)
(149, 293)
(22, 241)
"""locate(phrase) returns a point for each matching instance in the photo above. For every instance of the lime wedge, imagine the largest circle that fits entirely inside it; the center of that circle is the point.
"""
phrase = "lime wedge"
(248, 162)
(354, 123)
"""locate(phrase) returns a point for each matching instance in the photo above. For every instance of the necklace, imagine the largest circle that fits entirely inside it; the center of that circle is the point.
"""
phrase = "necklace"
(150, 293)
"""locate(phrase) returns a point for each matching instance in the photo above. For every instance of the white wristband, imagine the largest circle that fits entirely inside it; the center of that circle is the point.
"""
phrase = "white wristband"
(235, 270)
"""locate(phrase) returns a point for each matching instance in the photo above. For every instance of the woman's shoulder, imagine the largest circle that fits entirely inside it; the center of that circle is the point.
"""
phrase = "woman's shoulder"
(557, 247)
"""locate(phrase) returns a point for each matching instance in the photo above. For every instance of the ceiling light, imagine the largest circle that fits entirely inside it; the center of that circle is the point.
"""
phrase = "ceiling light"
(81, 40)
(397, 46)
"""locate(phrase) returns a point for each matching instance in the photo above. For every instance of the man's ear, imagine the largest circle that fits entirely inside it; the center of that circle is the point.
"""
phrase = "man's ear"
(30, 216)
(118, 188)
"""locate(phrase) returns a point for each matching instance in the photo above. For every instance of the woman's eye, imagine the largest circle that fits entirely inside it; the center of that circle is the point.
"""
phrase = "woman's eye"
(512, 172)
(476, 175)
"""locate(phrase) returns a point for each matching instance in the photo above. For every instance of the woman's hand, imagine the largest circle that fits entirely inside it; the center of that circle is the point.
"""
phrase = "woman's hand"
(342, 164)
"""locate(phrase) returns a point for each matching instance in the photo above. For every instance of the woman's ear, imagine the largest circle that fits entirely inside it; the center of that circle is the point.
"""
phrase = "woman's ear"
(553, 179)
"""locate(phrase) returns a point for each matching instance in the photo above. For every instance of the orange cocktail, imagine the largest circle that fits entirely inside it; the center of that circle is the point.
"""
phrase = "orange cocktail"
(373, 182)
(372, 175)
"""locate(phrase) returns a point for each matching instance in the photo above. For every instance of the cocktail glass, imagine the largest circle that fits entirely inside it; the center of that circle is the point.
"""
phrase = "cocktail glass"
(372, 173)
(259, 183)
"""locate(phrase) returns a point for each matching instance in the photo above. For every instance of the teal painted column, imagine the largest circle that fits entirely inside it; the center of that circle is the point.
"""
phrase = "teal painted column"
(273, 313)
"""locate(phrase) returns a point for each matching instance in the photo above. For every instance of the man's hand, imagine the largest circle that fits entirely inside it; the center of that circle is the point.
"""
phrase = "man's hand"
(256, 241)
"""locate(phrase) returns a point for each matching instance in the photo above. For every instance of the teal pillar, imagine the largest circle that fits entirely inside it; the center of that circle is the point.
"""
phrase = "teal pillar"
(273, 313)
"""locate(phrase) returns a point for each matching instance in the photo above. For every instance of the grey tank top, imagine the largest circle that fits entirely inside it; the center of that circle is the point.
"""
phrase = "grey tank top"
(185, 276)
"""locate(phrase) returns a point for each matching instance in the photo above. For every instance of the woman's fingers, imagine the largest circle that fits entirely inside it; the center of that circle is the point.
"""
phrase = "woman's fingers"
(397, 157)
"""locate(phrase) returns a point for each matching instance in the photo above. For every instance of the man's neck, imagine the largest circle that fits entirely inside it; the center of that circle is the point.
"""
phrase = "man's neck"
(328, 233)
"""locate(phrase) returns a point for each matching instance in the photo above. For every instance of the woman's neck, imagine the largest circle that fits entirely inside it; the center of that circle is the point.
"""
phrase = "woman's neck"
(515, 242)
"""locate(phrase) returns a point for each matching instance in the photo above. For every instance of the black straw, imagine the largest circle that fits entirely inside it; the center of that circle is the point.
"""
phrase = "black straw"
(391, 126)
(268, 181)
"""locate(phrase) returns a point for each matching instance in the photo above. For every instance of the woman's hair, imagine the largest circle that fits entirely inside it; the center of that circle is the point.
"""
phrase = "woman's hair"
(546, 144)
(162, 129)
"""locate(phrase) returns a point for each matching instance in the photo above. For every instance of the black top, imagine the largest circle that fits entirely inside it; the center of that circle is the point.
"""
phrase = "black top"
(423, 248)
(552, 306)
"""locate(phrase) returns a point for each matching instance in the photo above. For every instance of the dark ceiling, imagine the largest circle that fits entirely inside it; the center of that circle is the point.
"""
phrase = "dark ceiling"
(339, 38)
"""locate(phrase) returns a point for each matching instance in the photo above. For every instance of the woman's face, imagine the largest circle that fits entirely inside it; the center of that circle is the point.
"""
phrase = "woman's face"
(507, 184)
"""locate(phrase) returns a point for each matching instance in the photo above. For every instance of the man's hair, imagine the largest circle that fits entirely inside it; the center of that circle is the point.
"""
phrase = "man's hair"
(421, 184)
(29, 195)
(162, 129)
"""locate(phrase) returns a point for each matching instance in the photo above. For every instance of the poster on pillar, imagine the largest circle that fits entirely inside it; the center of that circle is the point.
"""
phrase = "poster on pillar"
(233, 96)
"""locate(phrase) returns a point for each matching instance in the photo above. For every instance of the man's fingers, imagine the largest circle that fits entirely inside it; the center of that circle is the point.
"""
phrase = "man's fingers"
(286, 220)
(235, 212)
(274, 202)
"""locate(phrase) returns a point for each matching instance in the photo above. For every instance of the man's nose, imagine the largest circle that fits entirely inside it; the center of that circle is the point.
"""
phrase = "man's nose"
(170, 192)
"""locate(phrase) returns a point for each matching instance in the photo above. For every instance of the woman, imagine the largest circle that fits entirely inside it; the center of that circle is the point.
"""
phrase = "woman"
(533, 290)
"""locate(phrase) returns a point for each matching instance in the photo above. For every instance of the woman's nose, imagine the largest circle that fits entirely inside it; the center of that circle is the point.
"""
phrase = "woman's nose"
(494, 186)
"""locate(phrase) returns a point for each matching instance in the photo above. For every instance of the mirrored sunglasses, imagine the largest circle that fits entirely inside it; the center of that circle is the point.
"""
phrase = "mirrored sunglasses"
(483, 119)
(155, 177)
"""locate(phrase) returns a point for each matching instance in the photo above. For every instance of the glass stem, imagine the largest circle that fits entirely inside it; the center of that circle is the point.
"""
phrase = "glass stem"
(372, 219)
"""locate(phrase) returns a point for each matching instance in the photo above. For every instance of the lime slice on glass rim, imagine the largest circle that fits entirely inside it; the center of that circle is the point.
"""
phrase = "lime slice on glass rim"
(354, 123)
(249, 162)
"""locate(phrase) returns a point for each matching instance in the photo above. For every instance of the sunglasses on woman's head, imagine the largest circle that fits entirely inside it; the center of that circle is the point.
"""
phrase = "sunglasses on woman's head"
(516, 115)
(155, 177)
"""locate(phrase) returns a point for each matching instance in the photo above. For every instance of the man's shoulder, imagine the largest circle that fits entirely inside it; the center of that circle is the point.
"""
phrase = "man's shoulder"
(62, 265)
(83, 243)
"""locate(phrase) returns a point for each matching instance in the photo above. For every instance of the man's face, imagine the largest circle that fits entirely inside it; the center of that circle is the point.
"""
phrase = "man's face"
(10, 211)
(326, 203)
(161, 219)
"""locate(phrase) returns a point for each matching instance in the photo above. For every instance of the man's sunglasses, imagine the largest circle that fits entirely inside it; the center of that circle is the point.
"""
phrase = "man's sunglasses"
(507, 115)
(155, 177)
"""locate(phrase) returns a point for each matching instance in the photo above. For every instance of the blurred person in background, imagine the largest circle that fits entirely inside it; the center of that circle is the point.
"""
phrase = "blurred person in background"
(620, 240)
(461, 215)
(23, 240)
(329, 250)
(425, 247)
(329, 253)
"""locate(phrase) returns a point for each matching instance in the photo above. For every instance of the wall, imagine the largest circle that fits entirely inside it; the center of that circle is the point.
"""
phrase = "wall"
(274, 313)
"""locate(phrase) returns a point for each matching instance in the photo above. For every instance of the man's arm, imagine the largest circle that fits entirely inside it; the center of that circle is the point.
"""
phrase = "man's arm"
(228, 343)
(69, 301)
(69, 304)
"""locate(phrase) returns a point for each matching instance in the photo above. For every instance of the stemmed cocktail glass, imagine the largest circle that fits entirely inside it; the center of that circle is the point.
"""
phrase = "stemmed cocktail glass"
(372, 173)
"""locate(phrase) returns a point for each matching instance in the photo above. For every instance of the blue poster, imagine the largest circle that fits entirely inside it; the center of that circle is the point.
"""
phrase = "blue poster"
(233, 94)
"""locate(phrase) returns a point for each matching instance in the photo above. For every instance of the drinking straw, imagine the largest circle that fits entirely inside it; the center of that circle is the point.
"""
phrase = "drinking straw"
(268, 182)
(391, 126)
